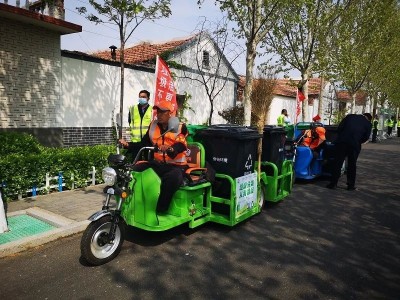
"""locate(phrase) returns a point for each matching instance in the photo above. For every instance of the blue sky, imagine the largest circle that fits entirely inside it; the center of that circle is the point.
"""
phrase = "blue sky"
(185, 16)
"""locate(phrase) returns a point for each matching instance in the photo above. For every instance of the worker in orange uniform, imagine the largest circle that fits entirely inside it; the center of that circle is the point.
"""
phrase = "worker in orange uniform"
(170, 158)
(314, 137)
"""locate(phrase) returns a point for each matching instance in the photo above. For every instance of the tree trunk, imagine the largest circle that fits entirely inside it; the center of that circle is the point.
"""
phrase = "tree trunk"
(251, 54)
(321, 98)
(211, 113)
(122, 61)
(304, 78)
(353, 102)
(121, 101)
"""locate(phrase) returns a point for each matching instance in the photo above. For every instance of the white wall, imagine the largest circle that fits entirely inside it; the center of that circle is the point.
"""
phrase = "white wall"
(90, 94)
(200, 102)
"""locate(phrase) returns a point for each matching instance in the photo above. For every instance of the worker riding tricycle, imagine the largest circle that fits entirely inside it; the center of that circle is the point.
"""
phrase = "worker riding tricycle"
(140, 190)
(312, 153)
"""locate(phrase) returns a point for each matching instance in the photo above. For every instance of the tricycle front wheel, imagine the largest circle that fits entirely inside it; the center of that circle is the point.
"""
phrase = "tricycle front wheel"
(95, 248)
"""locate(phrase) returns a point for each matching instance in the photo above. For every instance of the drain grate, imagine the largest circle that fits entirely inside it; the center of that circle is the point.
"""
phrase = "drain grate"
(22, 226)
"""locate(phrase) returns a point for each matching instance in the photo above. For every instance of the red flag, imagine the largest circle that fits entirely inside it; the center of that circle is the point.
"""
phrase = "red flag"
(300, 95)
(299, 98)
(164, 87)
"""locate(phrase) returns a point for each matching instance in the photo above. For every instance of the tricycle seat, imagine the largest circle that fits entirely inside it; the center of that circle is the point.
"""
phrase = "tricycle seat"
(196, 173)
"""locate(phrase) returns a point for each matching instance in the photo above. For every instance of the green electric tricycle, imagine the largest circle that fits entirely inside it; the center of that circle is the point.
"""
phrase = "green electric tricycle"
(198, 201)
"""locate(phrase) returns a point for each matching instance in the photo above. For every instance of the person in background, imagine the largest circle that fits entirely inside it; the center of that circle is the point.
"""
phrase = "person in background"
(170, 160)
(283, 119)
(139, 118)
(398, 126)
(375, 125)
(389, 123)
(353, 131)
(394, 122)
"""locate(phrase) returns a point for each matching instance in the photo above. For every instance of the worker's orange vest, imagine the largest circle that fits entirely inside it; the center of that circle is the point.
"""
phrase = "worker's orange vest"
(314, 141)
(168, 139)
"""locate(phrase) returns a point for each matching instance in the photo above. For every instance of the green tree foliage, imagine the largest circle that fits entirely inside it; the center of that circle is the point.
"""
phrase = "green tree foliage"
(127, 15)
(358, 37)
(382, 82)
(297, 38)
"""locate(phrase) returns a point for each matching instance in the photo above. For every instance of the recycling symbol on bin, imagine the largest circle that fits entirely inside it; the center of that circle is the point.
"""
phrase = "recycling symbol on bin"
(249, 163)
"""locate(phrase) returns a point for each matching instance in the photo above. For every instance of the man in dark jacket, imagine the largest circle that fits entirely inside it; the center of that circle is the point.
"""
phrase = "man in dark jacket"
(353, 131)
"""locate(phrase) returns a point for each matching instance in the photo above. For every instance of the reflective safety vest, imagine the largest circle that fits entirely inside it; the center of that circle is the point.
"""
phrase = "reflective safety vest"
(139, 125)
(389, 123)
(169, 139)
(281, 120)
(376, 123)
(313, 138)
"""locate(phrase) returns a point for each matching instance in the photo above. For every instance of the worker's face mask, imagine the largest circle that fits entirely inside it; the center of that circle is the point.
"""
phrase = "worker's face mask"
(142, 101)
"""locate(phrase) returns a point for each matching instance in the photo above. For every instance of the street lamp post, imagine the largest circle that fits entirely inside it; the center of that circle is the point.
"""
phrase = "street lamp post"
(119, 116)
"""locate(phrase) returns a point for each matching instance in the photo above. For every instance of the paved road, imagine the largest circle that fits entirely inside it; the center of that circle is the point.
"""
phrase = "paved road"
(316, 244)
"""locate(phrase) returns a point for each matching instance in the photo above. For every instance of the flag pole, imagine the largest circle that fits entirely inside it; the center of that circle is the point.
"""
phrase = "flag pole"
(155, 81)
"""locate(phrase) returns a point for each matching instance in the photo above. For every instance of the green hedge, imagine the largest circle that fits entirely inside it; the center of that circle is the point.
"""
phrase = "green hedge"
(14, 142)
(23, 169)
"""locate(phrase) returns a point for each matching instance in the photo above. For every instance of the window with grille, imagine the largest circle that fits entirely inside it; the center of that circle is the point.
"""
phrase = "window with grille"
(206, 60)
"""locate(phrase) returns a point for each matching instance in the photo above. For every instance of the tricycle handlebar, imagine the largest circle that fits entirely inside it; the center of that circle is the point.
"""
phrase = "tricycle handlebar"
(140, 152)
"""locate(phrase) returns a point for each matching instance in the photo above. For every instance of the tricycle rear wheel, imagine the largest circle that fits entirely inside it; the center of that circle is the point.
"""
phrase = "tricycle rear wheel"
(95, 248)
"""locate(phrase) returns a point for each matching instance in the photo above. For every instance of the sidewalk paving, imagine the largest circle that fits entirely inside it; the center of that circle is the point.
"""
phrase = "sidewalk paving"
(76, 205)
(69, 210)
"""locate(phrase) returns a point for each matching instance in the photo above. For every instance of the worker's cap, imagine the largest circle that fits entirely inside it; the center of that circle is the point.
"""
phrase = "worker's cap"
(164, 105)
(316, 118)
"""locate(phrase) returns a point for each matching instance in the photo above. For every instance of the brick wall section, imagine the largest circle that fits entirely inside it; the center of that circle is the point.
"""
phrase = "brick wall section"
(82, 136)
(30, 72)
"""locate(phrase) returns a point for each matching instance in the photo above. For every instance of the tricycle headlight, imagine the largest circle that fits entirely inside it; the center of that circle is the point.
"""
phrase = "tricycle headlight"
(109, 176)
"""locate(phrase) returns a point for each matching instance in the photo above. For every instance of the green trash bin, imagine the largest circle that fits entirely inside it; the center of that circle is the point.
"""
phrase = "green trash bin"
(193, 132)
